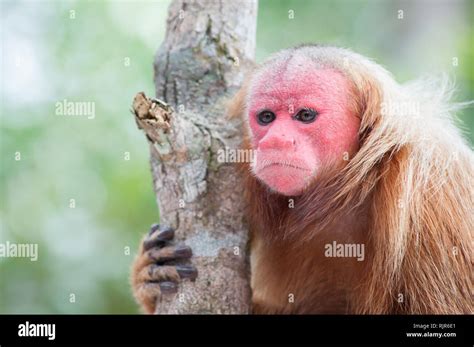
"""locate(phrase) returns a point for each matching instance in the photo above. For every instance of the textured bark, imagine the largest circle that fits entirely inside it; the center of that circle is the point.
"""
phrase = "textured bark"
(208, 48)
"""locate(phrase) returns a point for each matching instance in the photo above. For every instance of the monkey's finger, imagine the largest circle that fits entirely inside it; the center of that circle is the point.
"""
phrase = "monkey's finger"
(154, 227)
(187, 271)
(158, 236)
(169, 253)
(148, 292)
(168, 288)
(157, 273)
(161, 228)
(167, 273)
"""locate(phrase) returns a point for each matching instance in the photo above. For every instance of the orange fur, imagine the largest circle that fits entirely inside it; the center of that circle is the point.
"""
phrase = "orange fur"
(407, 194)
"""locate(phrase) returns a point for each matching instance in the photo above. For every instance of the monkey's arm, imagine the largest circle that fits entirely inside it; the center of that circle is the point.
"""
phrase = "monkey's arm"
(158, 268)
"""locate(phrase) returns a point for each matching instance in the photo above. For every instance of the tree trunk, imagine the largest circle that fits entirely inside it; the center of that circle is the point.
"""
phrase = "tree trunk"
(208, 48)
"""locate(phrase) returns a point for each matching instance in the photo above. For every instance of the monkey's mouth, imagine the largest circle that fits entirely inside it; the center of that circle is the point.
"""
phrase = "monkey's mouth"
(284, 177)
(282, 164)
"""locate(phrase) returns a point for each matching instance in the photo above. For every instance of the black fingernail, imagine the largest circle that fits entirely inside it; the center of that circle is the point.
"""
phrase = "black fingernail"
(164, 227)
(168, 287)
(187, 271)
(153, 228)
(183, 251)
(165, 234)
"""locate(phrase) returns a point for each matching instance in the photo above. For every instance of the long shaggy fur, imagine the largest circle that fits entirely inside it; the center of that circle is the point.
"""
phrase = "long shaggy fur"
(409, 186)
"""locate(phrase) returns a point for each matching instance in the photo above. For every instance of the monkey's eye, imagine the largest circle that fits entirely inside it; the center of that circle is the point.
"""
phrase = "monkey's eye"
(306, 115)
(265, 117)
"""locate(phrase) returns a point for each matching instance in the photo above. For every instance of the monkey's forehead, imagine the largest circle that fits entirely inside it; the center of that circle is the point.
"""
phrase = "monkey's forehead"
(295, 79)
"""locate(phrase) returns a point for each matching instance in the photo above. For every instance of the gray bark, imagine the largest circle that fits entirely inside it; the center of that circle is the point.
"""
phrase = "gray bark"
(208, 48)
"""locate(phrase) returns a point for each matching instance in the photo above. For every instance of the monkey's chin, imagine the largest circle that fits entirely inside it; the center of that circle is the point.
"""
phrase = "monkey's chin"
(287, 181)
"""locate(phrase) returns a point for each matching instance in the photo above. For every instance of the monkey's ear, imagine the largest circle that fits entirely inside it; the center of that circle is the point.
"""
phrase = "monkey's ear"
(237, 105)
(369, 105)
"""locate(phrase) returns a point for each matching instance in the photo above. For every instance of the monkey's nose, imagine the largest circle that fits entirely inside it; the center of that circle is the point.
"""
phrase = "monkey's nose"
(280, 142)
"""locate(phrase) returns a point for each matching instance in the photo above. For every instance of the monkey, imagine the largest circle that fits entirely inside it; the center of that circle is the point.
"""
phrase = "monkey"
(344, 156)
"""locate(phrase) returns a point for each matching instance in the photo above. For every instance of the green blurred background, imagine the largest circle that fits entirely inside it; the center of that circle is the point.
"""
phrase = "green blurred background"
(104, 55)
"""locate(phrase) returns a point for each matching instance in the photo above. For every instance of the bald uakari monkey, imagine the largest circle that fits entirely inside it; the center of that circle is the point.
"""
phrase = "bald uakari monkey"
(346, 159)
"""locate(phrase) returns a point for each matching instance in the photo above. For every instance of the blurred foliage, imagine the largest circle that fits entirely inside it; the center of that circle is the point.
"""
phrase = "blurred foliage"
(47, 57)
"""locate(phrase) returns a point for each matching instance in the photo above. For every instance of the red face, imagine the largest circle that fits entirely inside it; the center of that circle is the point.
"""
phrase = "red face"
(301, 121)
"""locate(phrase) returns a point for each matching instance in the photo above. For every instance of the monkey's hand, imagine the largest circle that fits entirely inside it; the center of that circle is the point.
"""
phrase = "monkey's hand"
(158, 268)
